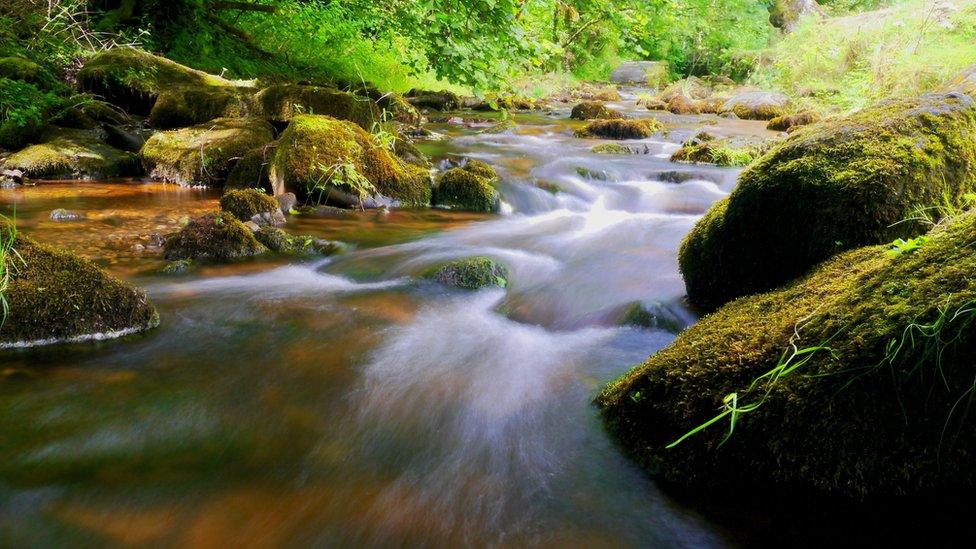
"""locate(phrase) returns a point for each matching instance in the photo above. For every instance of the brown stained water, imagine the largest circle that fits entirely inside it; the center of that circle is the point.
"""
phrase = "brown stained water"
(345, 402)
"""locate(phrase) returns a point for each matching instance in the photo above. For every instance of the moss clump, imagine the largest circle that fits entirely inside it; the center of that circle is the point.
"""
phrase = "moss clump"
(246, 203)
(788, 122)
(593, 110)
(66, 153)
(620, 129)
(470, 187)
(757, 105)
(858, 419)
(215, 236)
(132, 78)
(733, 151)
(20, 68)
(251, 171)
(312, 147)
(179, 107)
(472, 273)
(203, 154)
(611, 148)
(279, 241)
(284, 102)
(832, 186)
(55, 295)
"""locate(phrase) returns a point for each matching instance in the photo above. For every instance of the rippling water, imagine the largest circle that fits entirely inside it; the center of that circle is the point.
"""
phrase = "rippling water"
(343, 402)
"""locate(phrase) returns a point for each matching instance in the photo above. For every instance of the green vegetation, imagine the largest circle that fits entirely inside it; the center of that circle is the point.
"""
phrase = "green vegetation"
(9, 259)
(852, 379)
(739, 151)
(592, 110)
(472, 273)
(279, 241)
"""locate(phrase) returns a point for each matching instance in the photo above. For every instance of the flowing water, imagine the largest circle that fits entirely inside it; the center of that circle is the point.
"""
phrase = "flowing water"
(341, 401)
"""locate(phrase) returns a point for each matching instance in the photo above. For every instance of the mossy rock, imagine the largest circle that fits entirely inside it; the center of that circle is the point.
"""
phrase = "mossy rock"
(251, 171)
(284, 102)
(203, 154)
(215, 236)
(397, 109)
(246, 203)
(872, 412)
(832, 186)
(611, 148)
(69, 154)
(682, 104)
(731, 151)
(132, 78)
(279, 241)
(183, 106)
(25, 70)
(757, 105)
(692, 87)
(789, 121)
(505, 126)
(620, 129)
(313, 145)
(470, 187)
(507, 102)
(57, 296)
(435, 100)
(472, 273)
(593, 110)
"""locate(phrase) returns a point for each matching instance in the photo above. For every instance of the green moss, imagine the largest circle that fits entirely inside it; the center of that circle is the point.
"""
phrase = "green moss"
(203, 154)
(505, 126)
(470, 187)
(507, 102)
(592, 110)
(251, 171)
(20, 68)
(611, 148)
(66, 153)
(472, 273)
(55, 295)
(620, 129)
(857, 419)
(279, 241)
(398, 109)
(312, 144)
(132, 78)
(283, 102)
(215, 236)
(832, 186)
(179, 107)
(736, 151)
(246, 203)
(790, 121)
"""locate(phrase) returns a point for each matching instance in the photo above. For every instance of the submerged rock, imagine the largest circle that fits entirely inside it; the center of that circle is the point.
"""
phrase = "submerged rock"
(470, 187)
(868, 407)
(67, 153)
(61, 214)
(505, 126)
(215, 236)
(592, 110)
(57, 296)
(611, 148)
(620, 129)
(245, 204)
(279, 241)
(472, 273)
(324, 158)
(832, 186)
(203, 154)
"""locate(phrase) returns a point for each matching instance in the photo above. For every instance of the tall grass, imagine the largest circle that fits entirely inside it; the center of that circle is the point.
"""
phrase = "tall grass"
(8, 261)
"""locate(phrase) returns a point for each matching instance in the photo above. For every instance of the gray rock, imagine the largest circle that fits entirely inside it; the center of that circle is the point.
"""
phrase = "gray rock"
(254, 227)
(61, 214)
(269, 219)
(287, 201)
(13, 176)
(640, 72)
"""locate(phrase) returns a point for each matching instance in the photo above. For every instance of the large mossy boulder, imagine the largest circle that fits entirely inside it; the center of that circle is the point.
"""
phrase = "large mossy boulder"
(470, 187)
(56, 296)
(593, 110)
(203, 154)
(471, 273)
(620, 129)
(215, 236)
(72, 154)
(832, 186)
(853, 380)
(183, 106)
(132, 78)
(251, 171)
(283, 102)
(316, 155)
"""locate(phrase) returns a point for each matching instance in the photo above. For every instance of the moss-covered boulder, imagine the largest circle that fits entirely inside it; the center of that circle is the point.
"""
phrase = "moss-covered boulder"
(57, 296)
(731, 151)
(283, 102)
(132, 78)
(215, 236)
(435, 100)
(318, 156)
(620, 129)
(69, 154)
(203, 154)
(789, 121)
(832, 186)
(251, 171)
(757, 105)
(470, 187)
(247, 203)
(472, 273)
(593, 110)
(279, 241)
(851, 380)
(182, 106)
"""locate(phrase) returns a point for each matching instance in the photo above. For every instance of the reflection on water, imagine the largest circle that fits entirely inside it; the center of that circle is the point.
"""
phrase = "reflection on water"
(343, 402)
